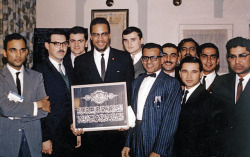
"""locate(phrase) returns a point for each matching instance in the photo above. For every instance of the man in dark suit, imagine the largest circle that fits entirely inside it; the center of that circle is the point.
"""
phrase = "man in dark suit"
(233, 102)
(171, 57)
(156, 103)
(78, 42)
(209, 56)
(194, 131)
(132, 39)
(57, 85)
(103, 64)
(20, 131)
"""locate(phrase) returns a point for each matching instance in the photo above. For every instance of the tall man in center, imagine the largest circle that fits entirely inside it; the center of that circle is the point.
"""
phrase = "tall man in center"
(156, 102)
(103, 64)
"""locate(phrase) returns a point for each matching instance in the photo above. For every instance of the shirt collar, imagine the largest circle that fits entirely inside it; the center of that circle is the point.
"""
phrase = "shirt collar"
(14, 71)
(191, 90)
(98, 54)
(136, 57)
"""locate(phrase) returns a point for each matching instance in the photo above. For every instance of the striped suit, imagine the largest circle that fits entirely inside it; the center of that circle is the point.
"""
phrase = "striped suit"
(159, 120)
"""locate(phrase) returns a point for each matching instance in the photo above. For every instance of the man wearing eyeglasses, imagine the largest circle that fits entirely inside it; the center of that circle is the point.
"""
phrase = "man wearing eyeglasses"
(78, 42)
(103, 64)
(57, 83)
(233, 98)
(188, 47)
(156, 102)
(209, 56)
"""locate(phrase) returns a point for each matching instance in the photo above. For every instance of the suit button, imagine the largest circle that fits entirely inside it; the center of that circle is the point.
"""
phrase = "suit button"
(231, 127)
(19, 129)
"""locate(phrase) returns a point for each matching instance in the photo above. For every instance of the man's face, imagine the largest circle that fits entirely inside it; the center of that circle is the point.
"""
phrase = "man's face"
(57, 51)
(16, 53)
(77, 43)
(151, 65)
(132, 43)
(240, 65)
(209, 60)
(170, 59)
(188, 49)
(190, 74)
(100, 37)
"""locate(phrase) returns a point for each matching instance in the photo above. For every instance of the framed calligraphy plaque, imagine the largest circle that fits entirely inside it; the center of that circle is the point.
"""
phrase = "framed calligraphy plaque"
(99, 107)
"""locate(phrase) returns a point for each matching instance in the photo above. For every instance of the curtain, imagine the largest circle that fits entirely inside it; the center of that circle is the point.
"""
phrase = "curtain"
(219, 37)
(18, 16)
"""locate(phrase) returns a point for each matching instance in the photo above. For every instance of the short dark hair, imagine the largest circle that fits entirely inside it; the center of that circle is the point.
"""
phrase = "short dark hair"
(99, 20)
(151, 46)
(80, 30)
(183, 41)
(238, 41)
(132, 29)
(53, 32)
(190, 59)
(14, 36)
(170, 45)
(209, 45)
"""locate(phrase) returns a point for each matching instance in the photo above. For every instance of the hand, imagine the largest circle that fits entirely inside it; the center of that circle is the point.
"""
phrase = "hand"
(76, 132)
(77, 102)
(122, 129)
(44, 104)
(154, 155)
(47, 147)
(78, 142)
(125, 152)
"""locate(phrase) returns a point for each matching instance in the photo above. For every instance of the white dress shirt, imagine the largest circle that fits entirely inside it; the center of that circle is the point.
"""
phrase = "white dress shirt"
(172, 74)
(98, 57)
(244, 83)
(73, 57)
(136, 58)
(190, 91)
(145, 87)
(56, 65)
(20, 76)
(209, 79)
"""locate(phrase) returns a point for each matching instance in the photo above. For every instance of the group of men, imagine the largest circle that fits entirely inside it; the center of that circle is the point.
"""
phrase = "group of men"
(183, 108)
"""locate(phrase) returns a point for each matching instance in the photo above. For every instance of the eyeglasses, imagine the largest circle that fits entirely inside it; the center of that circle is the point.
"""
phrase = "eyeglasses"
(103, 35)
(152, 58)
(172, 55)
(58, 44)
(186, 48)
(241, 56)
(73, 41)
(205, 56)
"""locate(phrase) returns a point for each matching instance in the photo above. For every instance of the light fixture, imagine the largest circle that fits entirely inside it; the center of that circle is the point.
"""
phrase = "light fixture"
(109, 3)
(177, 2)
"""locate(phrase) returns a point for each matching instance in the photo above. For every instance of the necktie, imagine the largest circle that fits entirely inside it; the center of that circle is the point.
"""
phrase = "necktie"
(102, 67)
(184, 97)
(239, 89)
(151, 75)
(204, 81)
(18, 83)
(60, 69)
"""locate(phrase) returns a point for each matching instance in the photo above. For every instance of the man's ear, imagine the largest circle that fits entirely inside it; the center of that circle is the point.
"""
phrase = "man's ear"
(142, 40)
(4, 53)
(46, 44)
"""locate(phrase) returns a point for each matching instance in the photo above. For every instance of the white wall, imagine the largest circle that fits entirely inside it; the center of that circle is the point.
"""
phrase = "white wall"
(159, 19)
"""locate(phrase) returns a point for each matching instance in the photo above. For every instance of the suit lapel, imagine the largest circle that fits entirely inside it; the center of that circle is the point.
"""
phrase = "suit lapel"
(9, 78)
(245, 93)
(136, 92)
(27, 79)
(110, 65)
(157, 81)
(195, 95)
(92, 66)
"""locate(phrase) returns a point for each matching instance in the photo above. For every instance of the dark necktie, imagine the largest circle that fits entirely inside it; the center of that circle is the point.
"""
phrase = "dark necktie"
(239, 89)
(102, 67)
(204, 81)
(18, 83)
(151, 75)
(184, 97)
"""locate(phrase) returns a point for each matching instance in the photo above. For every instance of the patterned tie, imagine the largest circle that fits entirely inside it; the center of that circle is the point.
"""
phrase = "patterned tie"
(18, 83)
(239, 89)
(102, 67)
(204, 81)
(60, 69)
(184, 97)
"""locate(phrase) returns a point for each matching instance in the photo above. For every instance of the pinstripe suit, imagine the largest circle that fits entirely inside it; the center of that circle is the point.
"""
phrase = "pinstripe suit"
(159, 120)
(10, 130)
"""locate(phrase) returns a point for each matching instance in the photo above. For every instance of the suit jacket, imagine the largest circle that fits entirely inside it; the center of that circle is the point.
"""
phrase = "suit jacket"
(214, 84)
(67, 62)
(59, 96)
(232, 119)
(119, 69)
(138, 67)
(10, 130)
(195, 125)
(160, 119)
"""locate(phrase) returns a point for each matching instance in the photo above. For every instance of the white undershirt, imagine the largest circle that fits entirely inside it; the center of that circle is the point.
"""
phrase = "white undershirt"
(145, 87)
(244, 83)
(98, 57)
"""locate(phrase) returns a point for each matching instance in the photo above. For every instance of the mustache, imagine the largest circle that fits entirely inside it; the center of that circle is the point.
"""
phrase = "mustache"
(168, 62)
(61, 51)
